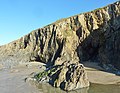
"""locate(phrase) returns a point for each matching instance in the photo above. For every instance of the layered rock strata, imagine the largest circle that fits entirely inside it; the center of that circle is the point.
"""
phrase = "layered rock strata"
(89, 36)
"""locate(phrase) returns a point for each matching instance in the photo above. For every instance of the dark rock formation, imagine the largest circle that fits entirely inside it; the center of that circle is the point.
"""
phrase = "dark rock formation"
(90, 36)
(68, 76)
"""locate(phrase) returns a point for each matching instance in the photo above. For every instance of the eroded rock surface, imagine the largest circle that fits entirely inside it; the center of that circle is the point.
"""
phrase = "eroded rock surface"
(71, 77)
(90, 36)
(68, 76)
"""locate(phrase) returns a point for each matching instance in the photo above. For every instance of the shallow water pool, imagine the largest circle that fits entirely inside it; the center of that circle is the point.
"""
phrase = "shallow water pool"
(94, 88)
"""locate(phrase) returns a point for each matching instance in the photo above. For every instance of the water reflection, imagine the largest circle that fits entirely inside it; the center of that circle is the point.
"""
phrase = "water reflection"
(98, 88)
(94, 88)
(46, 88)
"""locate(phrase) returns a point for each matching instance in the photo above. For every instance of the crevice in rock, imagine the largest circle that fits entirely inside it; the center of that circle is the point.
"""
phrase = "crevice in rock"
(57, 54)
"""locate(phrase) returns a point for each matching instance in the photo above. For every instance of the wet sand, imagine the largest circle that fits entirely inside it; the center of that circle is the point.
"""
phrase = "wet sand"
(97, 75)
(13, 80)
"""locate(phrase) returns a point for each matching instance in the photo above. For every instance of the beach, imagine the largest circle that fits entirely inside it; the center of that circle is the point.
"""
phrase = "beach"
(13, 80)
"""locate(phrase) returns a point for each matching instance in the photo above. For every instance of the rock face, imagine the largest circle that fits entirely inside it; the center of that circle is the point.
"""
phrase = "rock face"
(70, 77)
(90, 36)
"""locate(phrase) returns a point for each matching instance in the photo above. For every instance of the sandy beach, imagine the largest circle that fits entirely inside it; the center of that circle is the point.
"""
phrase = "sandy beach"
(96, 74)
(13, 80)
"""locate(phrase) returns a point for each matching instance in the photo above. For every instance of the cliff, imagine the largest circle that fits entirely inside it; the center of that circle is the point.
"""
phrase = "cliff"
(92, 36)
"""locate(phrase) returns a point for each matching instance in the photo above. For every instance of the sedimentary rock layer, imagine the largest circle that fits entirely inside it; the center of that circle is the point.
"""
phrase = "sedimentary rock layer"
(91, 36)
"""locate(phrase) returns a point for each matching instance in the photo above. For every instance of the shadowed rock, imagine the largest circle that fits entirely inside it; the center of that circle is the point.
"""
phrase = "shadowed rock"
(68, 76)
(71, 77)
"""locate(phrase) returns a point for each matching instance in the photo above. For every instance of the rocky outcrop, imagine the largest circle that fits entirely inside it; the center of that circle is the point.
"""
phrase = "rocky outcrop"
(90, 36)
(68, 76)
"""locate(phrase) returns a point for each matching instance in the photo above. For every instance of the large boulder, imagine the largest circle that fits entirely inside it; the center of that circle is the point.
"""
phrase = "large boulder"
(68, 76)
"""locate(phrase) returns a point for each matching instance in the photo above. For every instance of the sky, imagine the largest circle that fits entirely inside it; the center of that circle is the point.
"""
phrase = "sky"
(20, 17)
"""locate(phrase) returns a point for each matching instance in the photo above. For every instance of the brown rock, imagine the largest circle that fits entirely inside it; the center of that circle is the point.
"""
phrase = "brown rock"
(70, 76)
